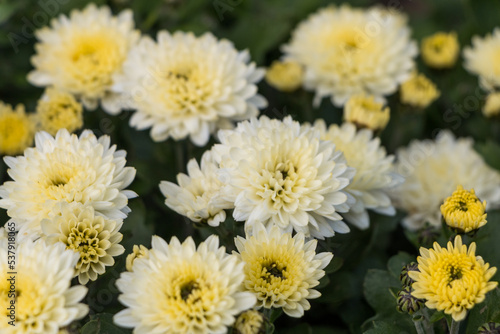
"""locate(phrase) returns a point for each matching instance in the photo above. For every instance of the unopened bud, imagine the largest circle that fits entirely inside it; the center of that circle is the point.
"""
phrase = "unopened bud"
(407, 303)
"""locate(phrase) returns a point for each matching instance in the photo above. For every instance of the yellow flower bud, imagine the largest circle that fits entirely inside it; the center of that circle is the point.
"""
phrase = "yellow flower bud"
(285, 76)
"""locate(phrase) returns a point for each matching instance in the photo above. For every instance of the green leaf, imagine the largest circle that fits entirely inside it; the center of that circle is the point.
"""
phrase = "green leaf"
(487, 311)
(397, 262)
(102, 324)
(377, 287)
(490, 152)
(334, 265)
(436, 316)
(383, 327)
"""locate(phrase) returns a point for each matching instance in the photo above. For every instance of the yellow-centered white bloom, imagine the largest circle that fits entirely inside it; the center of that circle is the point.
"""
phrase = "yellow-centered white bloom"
(348, 51)
(66, 168)
(44, 298)
(249, 322)
(375, 173)
(16, 129)
(187, 86)
(440, 50)
(282, 270)
(279, 173)
(492, 105)
(482, 59)
(433, 169)
(181, 288)
(365, 112)
(95, 238)
(198, 194)
(82, 52)
(57, 110)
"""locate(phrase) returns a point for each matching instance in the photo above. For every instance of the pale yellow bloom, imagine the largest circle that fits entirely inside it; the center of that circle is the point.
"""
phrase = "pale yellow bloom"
(452, 279)
(138, 252)
(492, 106)
(464, 211)
(286, 76)
(419, 91)
(365, 112)
(249, 322)
(95, 238)
(281, 270)
(57, 110)
(440, 50)
(16, 129)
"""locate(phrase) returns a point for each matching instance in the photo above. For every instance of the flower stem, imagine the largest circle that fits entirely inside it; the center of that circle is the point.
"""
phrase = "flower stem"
(419, 326)
(429, 328)
(455, 325)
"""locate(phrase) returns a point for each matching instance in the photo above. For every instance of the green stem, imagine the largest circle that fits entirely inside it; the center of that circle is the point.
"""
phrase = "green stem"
(429, 328)
(419, 326)
(455, 325)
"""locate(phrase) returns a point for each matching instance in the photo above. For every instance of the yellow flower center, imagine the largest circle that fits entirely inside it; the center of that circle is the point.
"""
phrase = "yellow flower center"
(83, 238)
(464, 211)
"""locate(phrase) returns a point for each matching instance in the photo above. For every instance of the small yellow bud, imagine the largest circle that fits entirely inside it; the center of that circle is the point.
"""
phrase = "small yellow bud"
(463, 211)
(492, 106)
(440, 50)
(365, 112)
(17, 129)
(57, 110)
(418, 91)
(285, 76)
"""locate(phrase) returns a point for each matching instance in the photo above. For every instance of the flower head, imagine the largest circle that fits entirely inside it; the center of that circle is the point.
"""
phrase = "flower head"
(440, 50)
(138, 252)
(186, 86)
(286, 75)
(433, 170)
(281, 173)
(95, 238)
(482, 59)
(45, 300)
(419, 91)
(16, 129)
(492, 106)
(375, 173)
(347, 51)
(365, 112)
(250, 322)
(69, 169)
(82, 52)
(57, 110)
(281, 270)
(181, 288)
(463, 211)
(198, 194)
(452, 279)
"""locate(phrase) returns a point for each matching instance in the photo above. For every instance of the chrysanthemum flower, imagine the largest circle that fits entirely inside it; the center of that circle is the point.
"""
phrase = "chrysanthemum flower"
(374, 170)
(279, 173)
(249, 322)
(440, 50)
(95, 238)
(198, 194)
(282, 270)
(492, 105)
(57, 110)
(419, 91)
(80, 54)
(365, 112)
(183, 289)
(286, 76)
(433, 170)
(452, 279)
(45, 302)
(464, 211)
(347, 51)
(16, 129)
(186, 86)
(482, 59)
(69, 169)
(138, 252)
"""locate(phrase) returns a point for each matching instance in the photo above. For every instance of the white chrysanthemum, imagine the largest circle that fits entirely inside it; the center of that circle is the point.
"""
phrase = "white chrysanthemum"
(95, 238)
(80, 54)
(280, 173)
(181, 289)
(374, 170)
(348, 51)
(198, 194)
(184, 86)
(44, 300)
(483, 59)
(433, 170)
(66, 168)
(282, 270)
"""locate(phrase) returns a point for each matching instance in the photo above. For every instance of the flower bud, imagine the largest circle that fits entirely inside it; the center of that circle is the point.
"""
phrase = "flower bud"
(407, 303)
